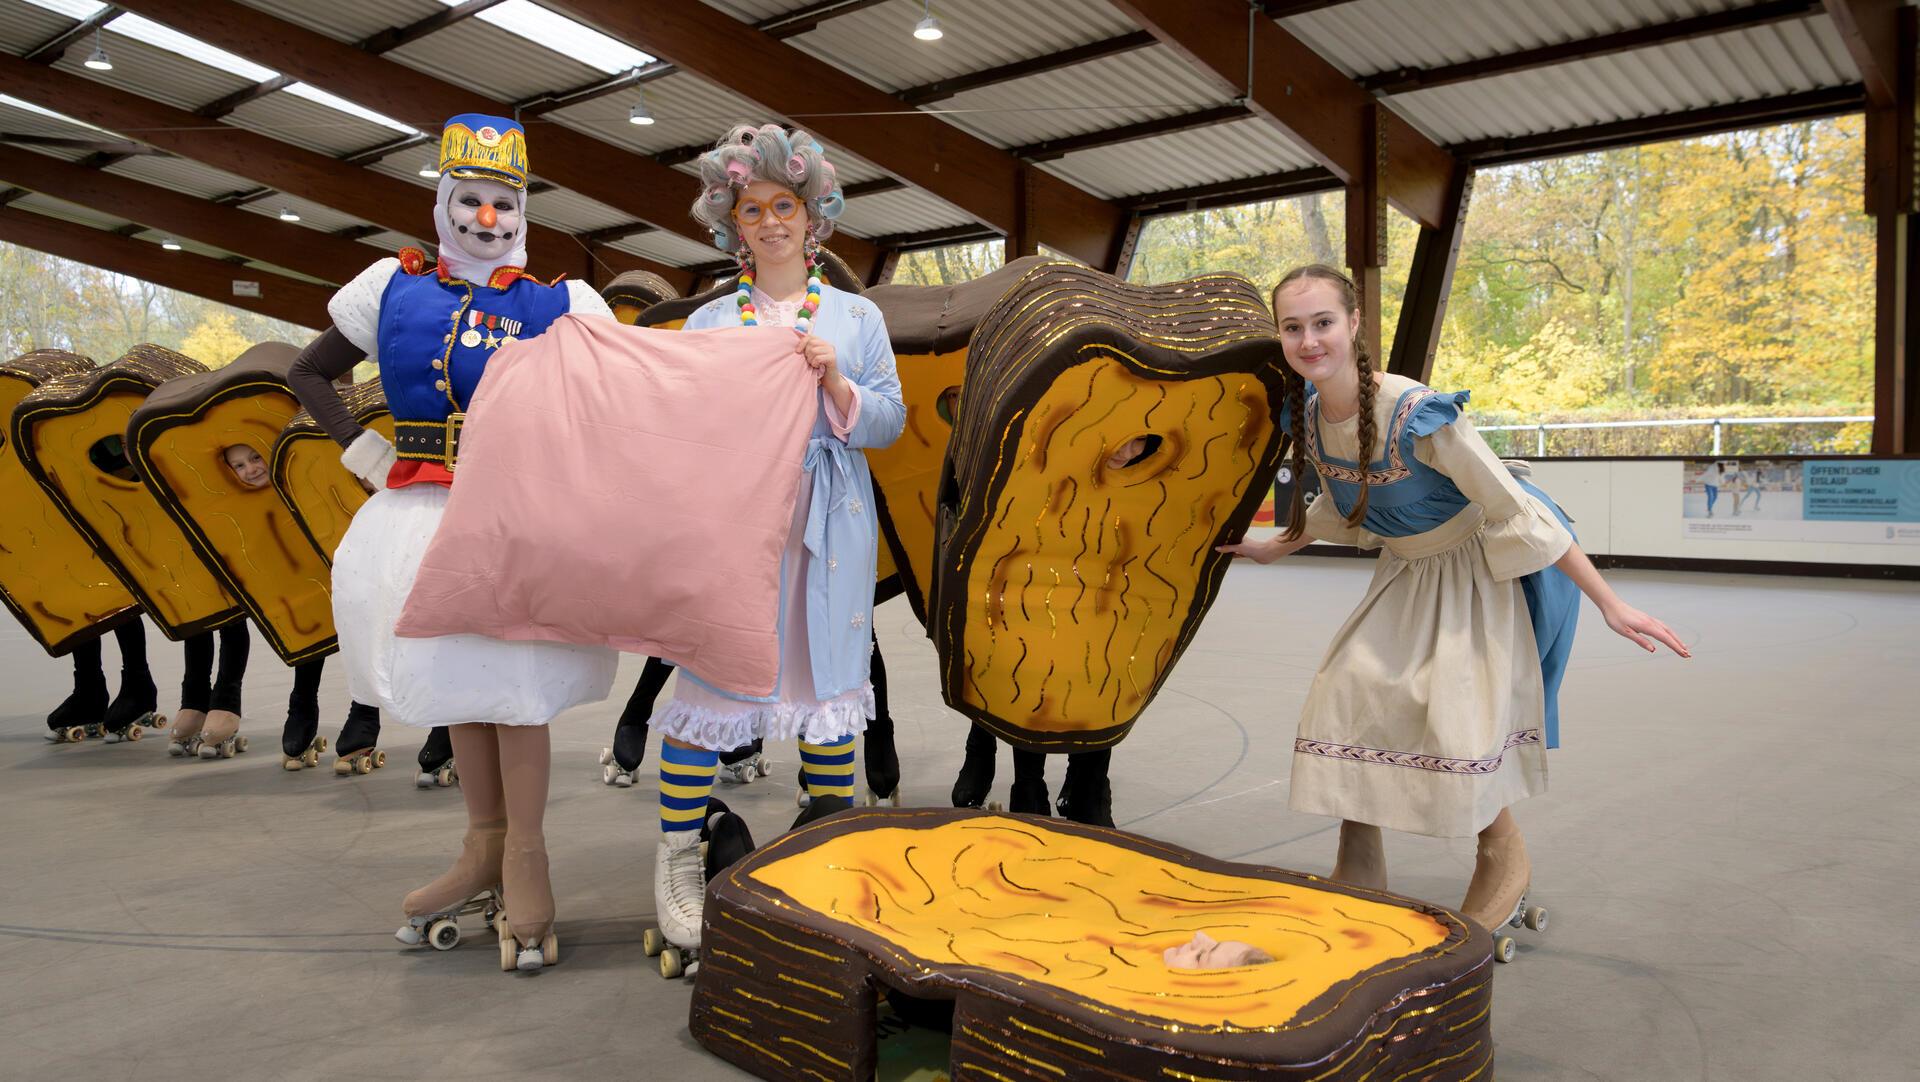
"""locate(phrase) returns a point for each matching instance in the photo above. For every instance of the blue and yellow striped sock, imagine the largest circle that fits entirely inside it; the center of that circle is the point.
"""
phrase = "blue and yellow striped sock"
(828, 767)
(686, 781)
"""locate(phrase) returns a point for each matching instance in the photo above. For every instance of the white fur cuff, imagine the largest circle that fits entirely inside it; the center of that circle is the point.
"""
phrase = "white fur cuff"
(369, 457)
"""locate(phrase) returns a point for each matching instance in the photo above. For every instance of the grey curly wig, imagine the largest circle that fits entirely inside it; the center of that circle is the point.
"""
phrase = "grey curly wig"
(769, 152)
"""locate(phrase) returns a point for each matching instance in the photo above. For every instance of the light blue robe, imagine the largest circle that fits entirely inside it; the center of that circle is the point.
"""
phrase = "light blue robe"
(843, 536)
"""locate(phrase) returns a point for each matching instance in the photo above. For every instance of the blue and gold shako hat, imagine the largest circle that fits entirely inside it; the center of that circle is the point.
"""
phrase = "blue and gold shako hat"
(484, 147)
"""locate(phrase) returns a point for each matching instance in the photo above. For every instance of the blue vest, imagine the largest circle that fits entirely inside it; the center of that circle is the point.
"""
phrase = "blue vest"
(435, 336)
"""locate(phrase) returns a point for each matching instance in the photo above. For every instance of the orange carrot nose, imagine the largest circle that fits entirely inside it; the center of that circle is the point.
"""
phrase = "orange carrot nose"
(486, 217)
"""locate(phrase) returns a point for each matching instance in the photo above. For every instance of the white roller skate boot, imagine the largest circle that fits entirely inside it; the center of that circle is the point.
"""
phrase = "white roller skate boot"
(679, 896)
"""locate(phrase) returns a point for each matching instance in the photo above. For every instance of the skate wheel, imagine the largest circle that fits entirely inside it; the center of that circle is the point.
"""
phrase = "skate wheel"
(444, 935)
(996, 806)
(343, 767)
(292, 764)
(76, 734)
(746, 776)
(606, 756)
(550, 949)
(209, 751)
(608, 773)
(363, 764)
(1536, 918)
(652, 942)
(803, 798)
(134, 732)
(239, 744)
(423, 780)
(310, 757)
(156, 721)
(379, 758)
(763, 767)
(1503, 948)
(508, 956)
(445, 776)
(672, 967)
(623, 781)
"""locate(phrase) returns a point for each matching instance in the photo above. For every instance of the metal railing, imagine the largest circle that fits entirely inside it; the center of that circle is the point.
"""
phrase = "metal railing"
(1718, 423)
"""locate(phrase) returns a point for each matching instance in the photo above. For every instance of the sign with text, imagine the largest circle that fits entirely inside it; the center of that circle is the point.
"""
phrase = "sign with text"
(1861, 501)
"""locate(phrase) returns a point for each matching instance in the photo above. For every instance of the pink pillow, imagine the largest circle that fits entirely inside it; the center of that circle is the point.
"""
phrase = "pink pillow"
(627, 487)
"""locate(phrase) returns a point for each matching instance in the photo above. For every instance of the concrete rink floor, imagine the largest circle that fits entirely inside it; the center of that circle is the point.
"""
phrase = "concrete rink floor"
(1728, 852)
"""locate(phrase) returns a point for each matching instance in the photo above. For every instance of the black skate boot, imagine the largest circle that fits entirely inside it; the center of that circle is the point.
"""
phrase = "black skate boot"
(436, 760)
(1029, 796)
(133, 710)
(355, 752)
(79, 715)
(819, 808)
(727, 837)
(1086, 796)
(970, 789)
(300, 739)
(882, 761)
(620, 764)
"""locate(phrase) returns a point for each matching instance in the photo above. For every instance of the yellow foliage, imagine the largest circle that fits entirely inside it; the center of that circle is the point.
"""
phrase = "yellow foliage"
(216, 341)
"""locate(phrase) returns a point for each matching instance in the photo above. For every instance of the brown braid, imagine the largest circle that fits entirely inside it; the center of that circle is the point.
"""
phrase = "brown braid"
(1363, 360)
(1295, 399)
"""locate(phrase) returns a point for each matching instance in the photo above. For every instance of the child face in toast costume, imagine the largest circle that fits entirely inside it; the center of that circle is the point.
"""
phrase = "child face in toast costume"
(247, 465)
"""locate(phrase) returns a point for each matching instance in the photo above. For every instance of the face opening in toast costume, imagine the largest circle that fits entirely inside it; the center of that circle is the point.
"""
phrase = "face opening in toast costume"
(432, 328)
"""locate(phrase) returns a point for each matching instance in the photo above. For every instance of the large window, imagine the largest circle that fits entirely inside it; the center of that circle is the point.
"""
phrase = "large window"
(1726, 278)
(950, 265)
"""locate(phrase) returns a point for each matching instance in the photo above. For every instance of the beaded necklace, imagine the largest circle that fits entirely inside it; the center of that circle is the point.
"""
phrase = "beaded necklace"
(803, 323)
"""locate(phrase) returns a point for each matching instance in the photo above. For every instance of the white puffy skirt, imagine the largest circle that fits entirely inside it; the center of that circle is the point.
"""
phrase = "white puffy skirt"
(450, 679)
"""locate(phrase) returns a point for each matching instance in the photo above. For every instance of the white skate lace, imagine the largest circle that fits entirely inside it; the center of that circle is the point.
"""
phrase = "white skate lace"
(686, 879)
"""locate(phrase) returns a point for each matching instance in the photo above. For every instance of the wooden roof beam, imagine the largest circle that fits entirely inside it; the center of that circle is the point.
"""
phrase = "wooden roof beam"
(1053, 149)
(643, 188)
(394, 37)
(981, 179)
(266, 239)
(1303, 95)
(941, 90)
(280, 297)
(1871, 30)
(56, 47)
(1405, 80)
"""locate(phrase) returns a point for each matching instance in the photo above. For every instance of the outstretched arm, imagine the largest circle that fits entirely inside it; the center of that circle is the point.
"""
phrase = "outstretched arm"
(1624, 619)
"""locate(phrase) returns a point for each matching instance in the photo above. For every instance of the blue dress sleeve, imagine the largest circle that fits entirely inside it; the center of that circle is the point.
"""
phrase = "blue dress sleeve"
(1436, 411)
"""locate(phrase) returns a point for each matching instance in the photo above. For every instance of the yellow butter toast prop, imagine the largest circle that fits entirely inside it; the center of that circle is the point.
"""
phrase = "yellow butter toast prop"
(51, 579)
(70, 432)
(307, 472)
(1049, 938)
(178, 440)
(930, 328)
(1110, 436)
(632, 292)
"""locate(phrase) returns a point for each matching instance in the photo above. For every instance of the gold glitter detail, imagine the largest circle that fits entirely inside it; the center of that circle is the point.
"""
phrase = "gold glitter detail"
(777, 1005)
(802, 1044)
(822, 989)
(1010, 1052)
(1056, 1037)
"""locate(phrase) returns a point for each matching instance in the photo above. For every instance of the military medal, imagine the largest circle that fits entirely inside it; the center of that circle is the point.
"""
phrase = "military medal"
(471, 336)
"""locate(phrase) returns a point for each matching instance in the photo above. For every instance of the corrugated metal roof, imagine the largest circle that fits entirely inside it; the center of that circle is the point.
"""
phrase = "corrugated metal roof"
(181, 175)
(1242, 148)
(27, 122)
(1379, 35)
(388, 242)
(309, 124)
(908, 210)
(752, 11)
(349, 20)
(1743, 65)
(312, 215)
(668, 248)
(573, 212)
(503, 65)
(139, 68)
(187, 244)
(687, 110)
(68, 212)
(878, 44)
(24, 27)
(1145, 84)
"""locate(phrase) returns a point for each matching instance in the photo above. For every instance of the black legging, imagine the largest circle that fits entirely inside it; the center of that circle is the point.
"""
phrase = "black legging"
(305, 700)
(131, 637)
(201, 689)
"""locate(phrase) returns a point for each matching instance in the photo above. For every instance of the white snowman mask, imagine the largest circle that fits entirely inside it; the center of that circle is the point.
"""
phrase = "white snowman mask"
(482, 226)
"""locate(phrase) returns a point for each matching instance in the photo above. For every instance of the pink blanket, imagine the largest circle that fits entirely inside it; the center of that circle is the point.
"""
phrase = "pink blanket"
(625, 487)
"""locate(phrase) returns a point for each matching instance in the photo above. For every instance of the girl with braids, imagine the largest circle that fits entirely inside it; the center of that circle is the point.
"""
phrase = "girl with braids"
(770, 198)
(1435, 703)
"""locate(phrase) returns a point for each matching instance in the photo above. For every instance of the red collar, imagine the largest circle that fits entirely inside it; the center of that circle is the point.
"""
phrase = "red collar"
(414, 261)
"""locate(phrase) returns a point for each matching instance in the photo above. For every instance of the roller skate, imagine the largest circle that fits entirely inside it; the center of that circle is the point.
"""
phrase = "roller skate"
(436, 761)
(820, 808)
(132, 712)
(882, 766)
(78, 713)
(726, 836)
(620, 764)
(300, 744)
(355, 752)
(220, 738)
(1086, 796)
(679, 897)
(472, 885)
(745, 765)
(1029, 797)
(970, 789)
(183, 738)
(1497, 896)
(527, 939)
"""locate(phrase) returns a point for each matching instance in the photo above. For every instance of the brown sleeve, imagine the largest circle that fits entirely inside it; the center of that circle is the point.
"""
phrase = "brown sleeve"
(326, 359)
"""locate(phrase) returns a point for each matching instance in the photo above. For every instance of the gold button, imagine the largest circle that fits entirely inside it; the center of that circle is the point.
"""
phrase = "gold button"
(448, 337)
(437, 363)
(439, 384)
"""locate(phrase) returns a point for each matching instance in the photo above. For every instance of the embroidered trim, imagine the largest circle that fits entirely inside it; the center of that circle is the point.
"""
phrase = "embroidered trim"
(1441, 764)
(1397, 468)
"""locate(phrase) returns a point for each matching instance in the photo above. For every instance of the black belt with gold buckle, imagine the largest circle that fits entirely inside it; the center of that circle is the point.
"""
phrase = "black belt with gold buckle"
(429, 441)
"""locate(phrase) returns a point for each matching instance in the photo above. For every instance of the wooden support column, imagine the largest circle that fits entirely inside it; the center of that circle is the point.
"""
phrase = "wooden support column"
(1367, 228)
(1884, 40)
(1429, 282)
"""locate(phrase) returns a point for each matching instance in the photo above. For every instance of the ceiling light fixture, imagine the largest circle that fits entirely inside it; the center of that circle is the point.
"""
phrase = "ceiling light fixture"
(929, 27)
(97, 60)
(287, 215)
(639, 114)
(170, 244)
(430, 170)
